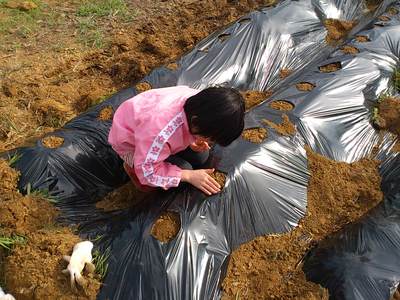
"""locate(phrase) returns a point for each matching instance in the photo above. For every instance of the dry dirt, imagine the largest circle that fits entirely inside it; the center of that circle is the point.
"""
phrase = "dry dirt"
(362, 39)
(285, 73)
(143, 86)
(389, 118)
(337, 30)
(305, 86)
(347, 49)
(220, 178)
(255, 135)
(269, 267)
(285, 128)
(52, 141)
(166, 226)
(332, 67)
(122, 198)
(106, 113)
(32, 270)
(282, 105)
(253, 98)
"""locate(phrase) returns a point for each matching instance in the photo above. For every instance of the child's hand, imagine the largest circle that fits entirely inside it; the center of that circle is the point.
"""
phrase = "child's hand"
(200, 146)
(202, 180)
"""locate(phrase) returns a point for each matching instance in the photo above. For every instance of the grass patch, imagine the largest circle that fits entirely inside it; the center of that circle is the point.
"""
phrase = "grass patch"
(106, 8)
(44, 194)
(8, 242)
(100, 261)
(89, 33)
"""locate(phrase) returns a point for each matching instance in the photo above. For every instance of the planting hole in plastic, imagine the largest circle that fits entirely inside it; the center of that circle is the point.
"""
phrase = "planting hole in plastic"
(255, 135)
(172, 66)
(392, 11)
(347, 49)
(305, 86)
(106, 113)
(281, 105)
(379, 25)
(383, 18)
(332, 67)
(166, 227)
(52, 141)
(223, 37)
(283, 73)
(205, 49)
(143, 86)
(244, 21)
(219, 177)
(362, 39)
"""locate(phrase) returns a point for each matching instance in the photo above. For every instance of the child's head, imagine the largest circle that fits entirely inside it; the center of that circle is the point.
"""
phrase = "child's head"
(216, 113)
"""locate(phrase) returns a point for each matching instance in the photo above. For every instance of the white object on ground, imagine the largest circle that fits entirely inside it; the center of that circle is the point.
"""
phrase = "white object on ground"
(81, 256)
(4, 296)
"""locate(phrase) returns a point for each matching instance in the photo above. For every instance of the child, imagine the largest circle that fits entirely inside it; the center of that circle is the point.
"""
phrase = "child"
(163, 134)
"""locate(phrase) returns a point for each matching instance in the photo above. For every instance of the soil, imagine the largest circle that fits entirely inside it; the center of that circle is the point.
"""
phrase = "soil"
(305, 86)
(389, 115)
(383, 18)
(33, 271)
(282, 105)
(220, 178)
(285, 73)
(269, 267)
(106, 113)
(286, 128)
(52, 141)
(255, 135)
(253, 98)
(22, 5)
(362, 39)
(332, 67)
(143, 86)
(392, 11)
(166, 227)
(337, 30)
(349, 49)
(396, 295)
(122, 198)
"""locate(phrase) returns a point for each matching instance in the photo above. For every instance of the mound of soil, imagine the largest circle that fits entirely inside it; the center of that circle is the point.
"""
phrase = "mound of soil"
(269, 267)
(362, 39)
(282, 105)
(21, 214)
(389, 118)
(285, 128)
(220, 178)
(166, 227)
(33, 270)
(285, 73)
(143, 86)
(337, 29)
(305, 86)
(255, 135)
(52, 141)
(106, 113)
(253, 98)
(332, 67)
(347, 49)
(122, 198)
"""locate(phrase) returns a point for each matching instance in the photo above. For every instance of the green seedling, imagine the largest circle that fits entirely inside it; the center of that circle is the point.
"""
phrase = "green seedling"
(100, 261)
(44, 194)
(8, 242)
(13, 159)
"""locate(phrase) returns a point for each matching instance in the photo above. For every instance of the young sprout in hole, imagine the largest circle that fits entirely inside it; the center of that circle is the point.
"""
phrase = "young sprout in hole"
(100, 261)
(44, 194)
(8, 242)
(13, 159)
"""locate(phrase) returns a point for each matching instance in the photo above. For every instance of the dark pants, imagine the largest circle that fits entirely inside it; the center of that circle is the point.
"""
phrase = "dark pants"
(189, 159)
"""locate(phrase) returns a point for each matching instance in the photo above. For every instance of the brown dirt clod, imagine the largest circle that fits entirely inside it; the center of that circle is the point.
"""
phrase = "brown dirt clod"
(286, 128)
(143, 86)
(255, 135)
(283, 73)
(219, 177)
(337, 29)
(383, 18)
(166, 227)
(52, 141)
(332, 67)
(282, 105)
(253, 98)
(349, 49)
(305, 86)
(21, 5)
(392, 11)
(106, 113)
(362, 39)
(269, 267)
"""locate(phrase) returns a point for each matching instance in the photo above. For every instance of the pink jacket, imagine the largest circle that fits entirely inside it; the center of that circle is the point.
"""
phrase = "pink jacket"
(148, 128)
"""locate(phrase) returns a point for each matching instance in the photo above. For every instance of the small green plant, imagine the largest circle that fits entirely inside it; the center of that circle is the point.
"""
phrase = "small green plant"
(8, 242)
(100, 261)
(106, 8)
(13, 159)
(44, 194)
(396, 80)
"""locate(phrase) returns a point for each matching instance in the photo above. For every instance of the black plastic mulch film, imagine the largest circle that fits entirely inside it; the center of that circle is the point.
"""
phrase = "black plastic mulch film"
(266, 188)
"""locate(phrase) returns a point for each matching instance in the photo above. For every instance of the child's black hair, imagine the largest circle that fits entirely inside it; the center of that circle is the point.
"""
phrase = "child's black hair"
(216, 113)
